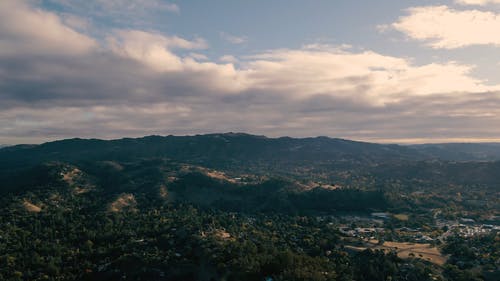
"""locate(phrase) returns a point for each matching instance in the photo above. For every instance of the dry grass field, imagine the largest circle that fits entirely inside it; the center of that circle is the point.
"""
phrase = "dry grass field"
(30, 207)
(401, 217)
(408, 250)
(405, 250)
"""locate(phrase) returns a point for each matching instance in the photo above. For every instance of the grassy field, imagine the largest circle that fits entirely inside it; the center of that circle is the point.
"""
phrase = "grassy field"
(408, 250)
(404, 250)
(401, 217)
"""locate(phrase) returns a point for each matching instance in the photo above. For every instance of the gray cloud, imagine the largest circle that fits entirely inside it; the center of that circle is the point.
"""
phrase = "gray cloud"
(136, 83)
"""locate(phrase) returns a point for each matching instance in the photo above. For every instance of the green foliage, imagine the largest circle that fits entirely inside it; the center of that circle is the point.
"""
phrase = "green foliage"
(278, 224)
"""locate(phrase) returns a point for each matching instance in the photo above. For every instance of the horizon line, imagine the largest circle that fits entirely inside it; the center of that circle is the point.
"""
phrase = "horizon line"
(386, 141)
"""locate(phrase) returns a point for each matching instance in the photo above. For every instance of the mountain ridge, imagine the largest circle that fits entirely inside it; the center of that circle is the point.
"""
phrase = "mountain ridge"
(211, 148)
(319, 144)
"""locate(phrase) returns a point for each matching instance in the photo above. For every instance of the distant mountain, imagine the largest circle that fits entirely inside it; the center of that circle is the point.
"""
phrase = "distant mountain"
(461, 151)
(313, 161)
(222, 150)
(219, 150)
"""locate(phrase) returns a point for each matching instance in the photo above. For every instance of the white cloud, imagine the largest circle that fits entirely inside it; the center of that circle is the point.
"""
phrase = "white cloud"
(323, 70)
(369, 76)
(142, 38)
(441, 27)
(156, 51)
(25, 29)
(152, 48)
(228, 58)
(477, 2)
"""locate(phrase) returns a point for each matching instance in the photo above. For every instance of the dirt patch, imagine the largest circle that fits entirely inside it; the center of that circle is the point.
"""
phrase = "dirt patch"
(401, 217)
(70, 175)
(80, 190)
(30, 207)
(312, 185)
(354, 248)
(172, 179)
(76, 179)
(329, 186)
(124, 202)
(163, 192)
(222, 234)
(239, 179)
(217, 175)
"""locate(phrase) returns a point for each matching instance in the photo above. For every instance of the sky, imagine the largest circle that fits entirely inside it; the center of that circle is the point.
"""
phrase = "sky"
(387, 71)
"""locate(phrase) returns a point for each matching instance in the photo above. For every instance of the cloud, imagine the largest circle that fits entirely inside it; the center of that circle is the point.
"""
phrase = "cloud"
(153, 49)
(438, 118)
(51, 35)
(198, 56)
(477, 2)
(441, 27)
(76, 22)
(233, 39)
(367, 76)
(228, 58)
(140, 82)
(149, 38)
(157, 52)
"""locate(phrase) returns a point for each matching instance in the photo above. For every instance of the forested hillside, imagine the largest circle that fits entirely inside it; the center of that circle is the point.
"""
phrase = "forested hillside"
(243, 207)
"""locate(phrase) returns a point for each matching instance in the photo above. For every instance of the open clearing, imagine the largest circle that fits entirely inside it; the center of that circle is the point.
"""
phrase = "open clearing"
(124, 202)
(76, 180)
(30, 207)
(406, 249)
(401, 217)
(69, 176)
